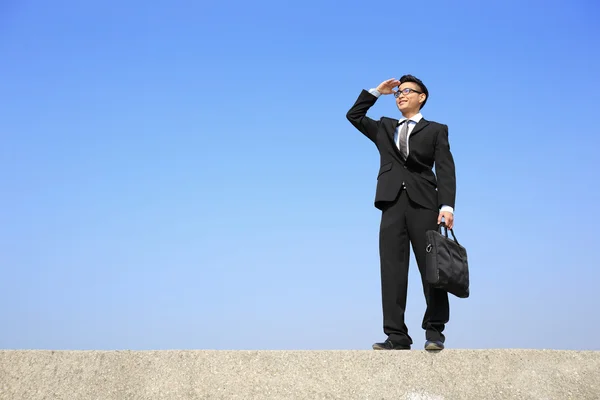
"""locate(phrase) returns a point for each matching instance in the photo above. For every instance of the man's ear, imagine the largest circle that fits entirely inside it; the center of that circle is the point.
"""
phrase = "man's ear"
(422, 98)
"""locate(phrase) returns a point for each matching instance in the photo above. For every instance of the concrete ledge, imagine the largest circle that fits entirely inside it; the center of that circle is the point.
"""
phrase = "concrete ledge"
(410, 375)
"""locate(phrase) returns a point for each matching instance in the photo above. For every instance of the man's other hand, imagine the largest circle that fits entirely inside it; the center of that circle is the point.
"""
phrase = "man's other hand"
(386, 87)
(448, 218)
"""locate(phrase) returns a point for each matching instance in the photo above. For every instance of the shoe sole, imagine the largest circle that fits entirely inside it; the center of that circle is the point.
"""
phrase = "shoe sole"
(383, 348)
(433, 347)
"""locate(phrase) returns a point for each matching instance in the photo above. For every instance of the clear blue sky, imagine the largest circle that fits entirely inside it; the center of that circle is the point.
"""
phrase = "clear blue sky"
(181, 175)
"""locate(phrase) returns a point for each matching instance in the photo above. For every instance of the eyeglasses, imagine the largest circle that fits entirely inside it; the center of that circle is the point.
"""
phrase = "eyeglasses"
(405, 92)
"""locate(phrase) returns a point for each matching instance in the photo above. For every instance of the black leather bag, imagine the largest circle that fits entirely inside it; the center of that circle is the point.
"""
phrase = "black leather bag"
(447, 267)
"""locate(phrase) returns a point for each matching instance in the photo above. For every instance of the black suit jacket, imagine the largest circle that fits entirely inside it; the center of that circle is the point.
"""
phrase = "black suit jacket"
(428, 145)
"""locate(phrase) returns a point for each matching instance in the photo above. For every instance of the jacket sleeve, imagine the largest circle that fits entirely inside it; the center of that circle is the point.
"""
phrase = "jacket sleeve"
(357, 115)
(445, 169)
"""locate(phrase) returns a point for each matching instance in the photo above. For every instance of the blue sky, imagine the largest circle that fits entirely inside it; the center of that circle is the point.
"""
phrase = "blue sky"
(181, 175)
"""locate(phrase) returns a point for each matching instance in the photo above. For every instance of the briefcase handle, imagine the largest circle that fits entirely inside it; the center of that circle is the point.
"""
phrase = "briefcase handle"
(443, 225)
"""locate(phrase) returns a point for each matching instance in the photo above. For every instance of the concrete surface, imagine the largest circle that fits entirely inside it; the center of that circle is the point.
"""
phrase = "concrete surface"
(399, 375)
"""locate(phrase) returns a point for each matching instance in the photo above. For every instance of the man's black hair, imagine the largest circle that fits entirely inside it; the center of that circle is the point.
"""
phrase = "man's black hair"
(414, 79)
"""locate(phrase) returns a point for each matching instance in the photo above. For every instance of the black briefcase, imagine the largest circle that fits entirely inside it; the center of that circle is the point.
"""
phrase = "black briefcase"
(446, 263)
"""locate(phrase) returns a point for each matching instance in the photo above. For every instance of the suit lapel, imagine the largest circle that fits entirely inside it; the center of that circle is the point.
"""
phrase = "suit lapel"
(419, 127)
(392, 125)
(390, 128)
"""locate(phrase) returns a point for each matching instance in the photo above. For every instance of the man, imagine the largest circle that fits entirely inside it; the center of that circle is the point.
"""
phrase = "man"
(412, 199)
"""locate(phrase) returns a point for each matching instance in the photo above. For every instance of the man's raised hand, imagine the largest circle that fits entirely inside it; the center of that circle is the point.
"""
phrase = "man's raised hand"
(386, 87)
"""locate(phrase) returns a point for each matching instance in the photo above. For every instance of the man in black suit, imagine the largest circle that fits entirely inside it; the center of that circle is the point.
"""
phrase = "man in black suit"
(412, 199)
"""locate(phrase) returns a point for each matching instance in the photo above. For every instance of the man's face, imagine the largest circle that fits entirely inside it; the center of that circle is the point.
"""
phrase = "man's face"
(410, 102)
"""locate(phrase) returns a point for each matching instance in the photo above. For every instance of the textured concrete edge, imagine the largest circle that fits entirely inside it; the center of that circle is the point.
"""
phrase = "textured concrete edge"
(447, 350)
(299, 374)
(304, 351)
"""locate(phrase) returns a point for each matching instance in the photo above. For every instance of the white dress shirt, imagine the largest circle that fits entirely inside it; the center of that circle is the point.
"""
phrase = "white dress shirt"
(414, 120)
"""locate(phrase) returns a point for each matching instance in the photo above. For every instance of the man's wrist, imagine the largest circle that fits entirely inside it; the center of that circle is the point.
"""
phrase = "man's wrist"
(447, 209)
(375, 92)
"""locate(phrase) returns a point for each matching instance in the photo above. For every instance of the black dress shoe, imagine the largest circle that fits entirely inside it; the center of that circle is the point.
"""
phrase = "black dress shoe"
(390, 345)
(434, 345)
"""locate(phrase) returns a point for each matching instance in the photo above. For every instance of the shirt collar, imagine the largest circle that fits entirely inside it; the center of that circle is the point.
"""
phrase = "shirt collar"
(415, 118)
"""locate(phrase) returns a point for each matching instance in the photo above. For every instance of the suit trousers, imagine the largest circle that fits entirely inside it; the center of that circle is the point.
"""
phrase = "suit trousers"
(403, 222)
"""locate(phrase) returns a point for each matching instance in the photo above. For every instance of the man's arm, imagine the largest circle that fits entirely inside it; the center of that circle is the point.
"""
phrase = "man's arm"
(357, 115)
(446, 177)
